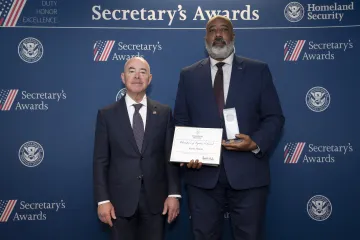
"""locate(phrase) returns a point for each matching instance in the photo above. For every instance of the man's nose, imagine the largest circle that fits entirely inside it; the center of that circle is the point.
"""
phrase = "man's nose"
(137, 74)
(218, 33)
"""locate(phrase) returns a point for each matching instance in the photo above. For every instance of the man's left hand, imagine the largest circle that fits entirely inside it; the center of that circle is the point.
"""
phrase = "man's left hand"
(172, 208)
(247, 144)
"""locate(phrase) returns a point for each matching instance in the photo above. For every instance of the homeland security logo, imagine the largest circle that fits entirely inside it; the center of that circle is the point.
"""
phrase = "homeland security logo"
(102, 50)
(30, 50)
(6, 208)
(292, 152)
(317, 99)
(31, 154)
(319, 208)
(120, 94)
(294, 12)
(7, 98)
(292, 50)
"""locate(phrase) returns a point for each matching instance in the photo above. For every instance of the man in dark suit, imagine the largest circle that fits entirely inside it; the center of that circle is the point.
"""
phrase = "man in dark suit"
(219, 82)
(134, 183)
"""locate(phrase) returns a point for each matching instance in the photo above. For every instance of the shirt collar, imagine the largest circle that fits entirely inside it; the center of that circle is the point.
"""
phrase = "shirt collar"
(129, 101)
(228, 60)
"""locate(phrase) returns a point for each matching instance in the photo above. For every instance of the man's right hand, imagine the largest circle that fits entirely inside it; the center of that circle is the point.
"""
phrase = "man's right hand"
(106, 211)
(193, 164)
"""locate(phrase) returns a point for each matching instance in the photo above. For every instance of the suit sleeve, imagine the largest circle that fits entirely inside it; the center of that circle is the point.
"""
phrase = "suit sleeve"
(172, 170)
(181, 114)
(101, 160)
(271, 116)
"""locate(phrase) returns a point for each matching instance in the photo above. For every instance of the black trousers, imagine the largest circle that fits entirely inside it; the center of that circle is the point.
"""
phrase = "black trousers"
(143, 225)
(246, 208)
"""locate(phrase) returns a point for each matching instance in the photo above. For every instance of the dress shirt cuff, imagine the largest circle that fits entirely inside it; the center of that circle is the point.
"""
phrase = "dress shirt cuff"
(175, 195)
(102, 202)
(257, 150)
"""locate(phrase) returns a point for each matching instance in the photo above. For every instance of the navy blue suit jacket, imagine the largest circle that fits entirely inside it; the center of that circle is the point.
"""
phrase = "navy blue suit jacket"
(119, 166)
(253, 95)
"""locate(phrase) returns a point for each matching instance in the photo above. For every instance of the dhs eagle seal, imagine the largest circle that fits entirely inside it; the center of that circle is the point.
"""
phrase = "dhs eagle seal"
(120, 94)
(31, 154)
(294, 12)
(317, 99)
(30, 50)
(319, 208)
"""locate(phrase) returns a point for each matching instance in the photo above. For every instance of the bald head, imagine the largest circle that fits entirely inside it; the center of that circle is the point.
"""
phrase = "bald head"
(211, 20)
(134, 59)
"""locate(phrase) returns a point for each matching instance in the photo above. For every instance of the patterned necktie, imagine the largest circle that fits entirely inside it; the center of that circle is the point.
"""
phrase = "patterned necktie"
(219, 87)
(138, 126)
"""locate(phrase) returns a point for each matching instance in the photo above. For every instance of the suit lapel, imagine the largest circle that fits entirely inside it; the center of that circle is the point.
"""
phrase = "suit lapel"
(150, 121)
(125, 126)
(237, 76)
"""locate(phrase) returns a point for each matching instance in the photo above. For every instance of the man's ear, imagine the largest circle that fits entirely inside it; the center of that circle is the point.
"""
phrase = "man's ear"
(123, 78)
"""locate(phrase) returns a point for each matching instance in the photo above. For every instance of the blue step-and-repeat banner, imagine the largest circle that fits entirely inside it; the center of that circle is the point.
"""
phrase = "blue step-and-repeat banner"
(60, 61)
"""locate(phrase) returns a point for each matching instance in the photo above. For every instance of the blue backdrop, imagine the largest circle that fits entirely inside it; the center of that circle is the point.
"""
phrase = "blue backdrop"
(61, 61)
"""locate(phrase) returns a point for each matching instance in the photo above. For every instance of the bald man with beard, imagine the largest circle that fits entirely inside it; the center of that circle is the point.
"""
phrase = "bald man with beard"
(206, 88)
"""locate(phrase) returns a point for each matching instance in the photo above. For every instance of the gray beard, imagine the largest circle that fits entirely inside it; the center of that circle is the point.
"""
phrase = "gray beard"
(220, 52)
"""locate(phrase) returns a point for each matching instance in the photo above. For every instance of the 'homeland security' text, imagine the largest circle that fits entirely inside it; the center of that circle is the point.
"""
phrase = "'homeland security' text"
(334, 9)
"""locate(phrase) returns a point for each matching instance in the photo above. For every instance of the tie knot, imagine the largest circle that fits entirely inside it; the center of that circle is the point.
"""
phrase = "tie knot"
(220, 65)
(137, 107)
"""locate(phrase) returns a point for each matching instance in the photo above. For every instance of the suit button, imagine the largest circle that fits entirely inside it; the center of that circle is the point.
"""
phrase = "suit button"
(142, 158)
(140, 177)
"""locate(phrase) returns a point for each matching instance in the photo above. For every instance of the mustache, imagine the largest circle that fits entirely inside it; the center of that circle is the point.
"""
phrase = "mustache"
(219, 40)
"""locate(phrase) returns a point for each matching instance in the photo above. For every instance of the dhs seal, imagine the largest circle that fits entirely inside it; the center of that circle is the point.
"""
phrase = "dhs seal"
(30, 50)
(31, 154)
(319, 208)
(120, 94)
(294, 12)
(317, 99)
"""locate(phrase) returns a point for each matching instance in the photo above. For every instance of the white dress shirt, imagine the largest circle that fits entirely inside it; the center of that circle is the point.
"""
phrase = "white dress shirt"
(131, 109)
(227, 67)
(143, 111)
